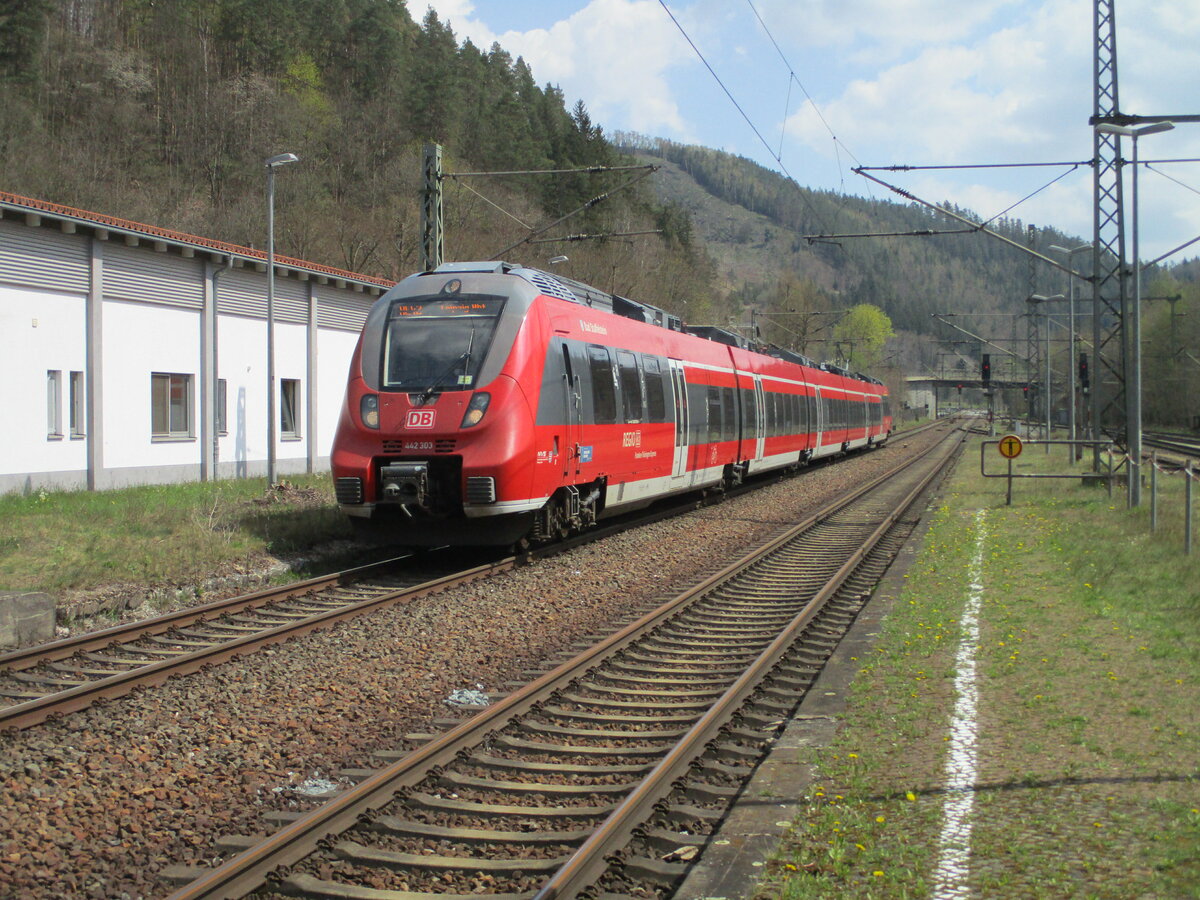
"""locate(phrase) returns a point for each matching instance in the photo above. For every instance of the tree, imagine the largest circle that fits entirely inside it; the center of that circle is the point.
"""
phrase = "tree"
(862, 333)
(22, 38)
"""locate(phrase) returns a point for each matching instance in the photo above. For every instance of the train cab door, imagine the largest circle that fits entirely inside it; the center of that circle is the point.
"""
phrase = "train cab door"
(573, 402)
(760, 418)
(680, 404)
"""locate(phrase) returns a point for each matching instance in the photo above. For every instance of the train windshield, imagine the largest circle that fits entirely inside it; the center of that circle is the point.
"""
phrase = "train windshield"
(438, 343)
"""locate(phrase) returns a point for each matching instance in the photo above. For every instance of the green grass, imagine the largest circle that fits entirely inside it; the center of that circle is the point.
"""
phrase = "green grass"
(65, 540)
(1089, 667)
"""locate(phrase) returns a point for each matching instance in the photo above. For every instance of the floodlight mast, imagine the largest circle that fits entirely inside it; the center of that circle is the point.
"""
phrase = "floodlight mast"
(1133, 318)
(272, 164)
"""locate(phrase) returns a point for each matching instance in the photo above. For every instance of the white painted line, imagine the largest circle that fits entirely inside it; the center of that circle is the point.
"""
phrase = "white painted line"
(954, 845)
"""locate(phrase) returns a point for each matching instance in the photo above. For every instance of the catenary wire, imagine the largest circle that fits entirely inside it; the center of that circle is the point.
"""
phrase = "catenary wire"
(739, 108)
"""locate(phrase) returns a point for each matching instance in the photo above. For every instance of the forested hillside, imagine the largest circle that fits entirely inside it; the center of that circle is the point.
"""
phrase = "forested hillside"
(164, 112)
(910, 276)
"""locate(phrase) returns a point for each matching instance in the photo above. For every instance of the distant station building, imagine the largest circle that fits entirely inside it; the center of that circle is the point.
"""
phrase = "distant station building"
(130, 354)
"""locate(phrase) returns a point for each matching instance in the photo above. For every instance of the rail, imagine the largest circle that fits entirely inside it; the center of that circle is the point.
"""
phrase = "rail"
(261, 864)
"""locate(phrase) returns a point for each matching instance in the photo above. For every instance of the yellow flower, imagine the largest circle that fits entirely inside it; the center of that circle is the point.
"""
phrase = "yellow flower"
(910, 795)
(877, 873)
(852, 755)
(879, 819)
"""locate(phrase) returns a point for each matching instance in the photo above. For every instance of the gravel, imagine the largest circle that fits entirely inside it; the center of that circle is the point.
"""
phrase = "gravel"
(101, 801)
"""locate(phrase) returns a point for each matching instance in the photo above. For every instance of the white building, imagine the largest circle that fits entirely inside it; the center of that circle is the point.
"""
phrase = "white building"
(130, 354)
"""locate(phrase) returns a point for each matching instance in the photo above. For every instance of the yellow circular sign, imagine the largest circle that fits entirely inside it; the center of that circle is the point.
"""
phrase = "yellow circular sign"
(1010, 446)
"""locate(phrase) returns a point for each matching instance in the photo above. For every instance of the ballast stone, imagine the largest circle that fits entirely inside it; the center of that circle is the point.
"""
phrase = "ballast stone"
(26, 617)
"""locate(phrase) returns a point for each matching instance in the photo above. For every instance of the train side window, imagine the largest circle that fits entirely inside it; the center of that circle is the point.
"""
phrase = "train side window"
(728, 411)
(656, 395)
(699, 412)
(749, 417)
(631, 386)
(604, 391)
(715, 426)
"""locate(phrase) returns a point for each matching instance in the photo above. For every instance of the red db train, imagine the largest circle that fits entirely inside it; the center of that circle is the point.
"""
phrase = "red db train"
(494, 404)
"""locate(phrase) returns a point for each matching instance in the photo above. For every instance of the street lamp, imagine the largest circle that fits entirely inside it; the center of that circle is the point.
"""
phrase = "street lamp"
(272, 164)
(1039, 298)
(1132, 320)
(1070, 253)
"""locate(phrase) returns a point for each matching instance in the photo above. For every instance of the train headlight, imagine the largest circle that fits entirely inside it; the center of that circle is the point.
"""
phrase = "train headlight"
(368, 410)
(475, 409)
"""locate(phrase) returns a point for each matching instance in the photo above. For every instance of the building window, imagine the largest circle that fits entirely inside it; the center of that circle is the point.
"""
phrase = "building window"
(54, 405)
(289, 409)
(222, 427)
(76, 405)
(170, 406)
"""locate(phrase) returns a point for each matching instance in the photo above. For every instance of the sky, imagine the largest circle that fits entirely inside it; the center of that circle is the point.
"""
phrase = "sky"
(826, 85)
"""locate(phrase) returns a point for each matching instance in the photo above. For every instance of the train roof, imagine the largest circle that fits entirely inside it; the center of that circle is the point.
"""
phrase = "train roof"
(584, 294)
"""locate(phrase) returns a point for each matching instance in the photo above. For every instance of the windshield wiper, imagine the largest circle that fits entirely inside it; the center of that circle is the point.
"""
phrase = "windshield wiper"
(424, 396)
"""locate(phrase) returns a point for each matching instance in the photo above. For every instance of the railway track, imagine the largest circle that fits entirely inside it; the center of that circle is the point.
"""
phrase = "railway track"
(607, 772)
(50, 680)
(72, 674)
(1182, 444)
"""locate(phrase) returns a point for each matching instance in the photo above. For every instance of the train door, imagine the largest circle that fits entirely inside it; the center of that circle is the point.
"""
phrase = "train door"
(818, 421)
(679, 389)
(573, 402)
(760, 418)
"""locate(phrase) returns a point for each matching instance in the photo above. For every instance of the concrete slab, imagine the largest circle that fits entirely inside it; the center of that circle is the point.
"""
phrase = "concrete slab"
(26, 618)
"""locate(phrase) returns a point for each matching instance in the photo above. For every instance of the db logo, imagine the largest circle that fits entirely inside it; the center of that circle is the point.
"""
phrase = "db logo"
(420, 418)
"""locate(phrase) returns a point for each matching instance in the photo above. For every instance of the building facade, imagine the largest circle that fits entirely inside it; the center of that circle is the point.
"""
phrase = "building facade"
(131, 354)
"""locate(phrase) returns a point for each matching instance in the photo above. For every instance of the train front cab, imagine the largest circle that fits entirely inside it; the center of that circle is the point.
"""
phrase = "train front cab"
(436, 420)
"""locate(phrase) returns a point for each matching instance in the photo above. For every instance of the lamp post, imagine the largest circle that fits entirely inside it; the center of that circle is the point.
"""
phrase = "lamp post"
(272, 164)
(1132, 321)
(1070, 253)
(1038, 298)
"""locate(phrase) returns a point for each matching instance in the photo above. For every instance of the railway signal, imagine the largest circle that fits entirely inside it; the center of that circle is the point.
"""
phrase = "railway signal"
(985, 369)
(1084, 383)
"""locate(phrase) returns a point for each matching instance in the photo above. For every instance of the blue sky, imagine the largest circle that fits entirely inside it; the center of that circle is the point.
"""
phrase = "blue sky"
(913, 82)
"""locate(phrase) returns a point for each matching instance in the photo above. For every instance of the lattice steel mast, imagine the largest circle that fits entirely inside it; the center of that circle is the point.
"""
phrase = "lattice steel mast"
(1110, 297)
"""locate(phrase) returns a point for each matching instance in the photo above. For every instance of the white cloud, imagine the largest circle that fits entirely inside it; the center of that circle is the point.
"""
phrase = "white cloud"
(612, 54)
(878, 29)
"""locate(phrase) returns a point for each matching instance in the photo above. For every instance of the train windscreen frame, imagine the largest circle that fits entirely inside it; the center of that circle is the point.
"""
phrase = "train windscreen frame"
(437, 343)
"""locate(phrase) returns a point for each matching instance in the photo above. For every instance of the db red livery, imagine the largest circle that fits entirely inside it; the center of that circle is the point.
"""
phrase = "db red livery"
(491, 404)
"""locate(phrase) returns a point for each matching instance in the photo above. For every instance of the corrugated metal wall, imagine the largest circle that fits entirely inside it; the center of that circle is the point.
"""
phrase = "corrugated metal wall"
(339, 310)
(141, 275)
(41, 257)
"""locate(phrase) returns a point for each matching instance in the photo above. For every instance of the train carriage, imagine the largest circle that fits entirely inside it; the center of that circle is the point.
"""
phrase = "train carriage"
(489, 403)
